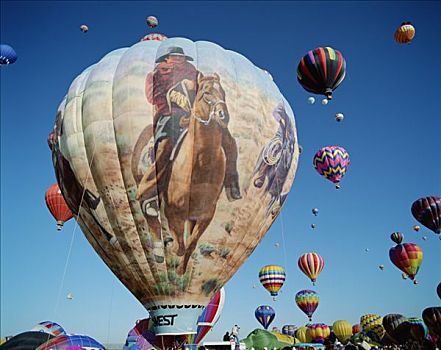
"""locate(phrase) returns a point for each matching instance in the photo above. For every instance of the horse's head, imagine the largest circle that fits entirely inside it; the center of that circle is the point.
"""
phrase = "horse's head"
(210, 101)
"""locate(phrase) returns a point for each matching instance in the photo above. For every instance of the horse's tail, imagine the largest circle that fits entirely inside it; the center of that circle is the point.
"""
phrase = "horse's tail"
(143, 140)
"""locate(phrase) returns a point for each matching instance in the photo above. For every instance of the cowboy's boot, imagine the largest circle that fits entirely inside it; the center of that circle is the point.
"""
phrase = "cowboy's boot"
(231, 181)
(232, 188)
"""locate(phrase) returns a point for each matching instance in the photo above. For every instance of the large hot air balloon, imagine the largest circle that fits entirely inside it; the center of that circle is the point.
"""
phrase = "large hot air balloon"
(332, 163)
(417, 329)
(397, 237)
(342, 330)
(318, 332)
(7, 55)
(407, 257)
(405, 33)
(289, 329)
(57, 205)
(154, 36)
(432, 318)
(356, 328)
(427, 211)
(152, 21)
(265, 315)
(307, 301)
(390, 323)
(272, 278)
(209, 317)
(438, 290)
(167, 220)
(311, 264)
(321, 71)
(71, 342)
(372, 326)
(303, 335)
(49, 327)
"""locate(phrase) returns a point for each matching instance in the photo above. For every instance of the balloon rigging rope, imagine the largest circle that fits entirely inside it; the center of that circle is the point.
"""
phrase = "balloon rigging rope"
(73, 235)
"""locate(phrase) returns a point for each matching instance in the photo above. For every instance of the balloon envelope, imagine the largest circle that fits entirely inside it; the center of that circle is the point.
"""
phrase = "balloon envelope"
(65, 342)
(154, 36)
(152, 21)
(397, 237)
(311, 264)
(405, 33)
(427, 211)
(265, 315)
(57, 205)
(318, 332)
(391, 323)
(407, 257)
(342, 330)
(307, 301)
(272, 278)
(7, 54)
(432, 318)
(49, 327)
(331, 162)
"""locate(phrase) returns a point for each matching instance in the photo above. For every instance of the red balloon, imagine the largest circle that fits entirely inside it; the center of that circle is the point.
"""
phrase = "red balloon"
(407, 257)
(356, 329)
(57, 205)
(427, 211)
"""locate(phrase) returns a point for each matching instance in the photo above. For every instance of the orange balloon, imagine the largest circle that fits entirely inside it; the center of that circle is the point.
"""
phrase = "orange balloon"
(57, 206)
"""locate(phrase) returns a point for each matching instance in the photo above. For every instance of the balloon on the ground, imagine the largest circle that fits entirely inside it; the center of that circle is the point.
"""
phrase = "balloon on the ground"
(154, 36)
(57, 205)
(272, 278)
(155, 221)
(356, 328)
(372, 326)
(289, 329)
(84, 28)
(26, 341)
(417, 329)
(427, 211)
(318, 332)
(303, 335)
(331, 162)
(311, 100)
(311, 264)
(307, 300)
(7, 55)
(407, 257)
(342, 330)
(397, 237)
(265, 315)
(321, 71)
(339, 117)
(261, 339)
(390, 323)
(405, 33)
(66, 342)
(152, 21)
(49, 327)
(432, 318)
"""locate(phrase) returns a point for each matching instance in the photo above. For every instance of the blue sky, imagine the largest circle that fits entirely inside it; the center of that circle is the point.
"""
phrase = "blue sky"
(391, 102)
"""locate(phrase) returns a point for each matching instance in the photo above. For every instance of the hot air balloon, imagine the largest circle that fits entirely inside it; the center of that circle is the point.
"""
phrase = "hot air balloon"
(154, 36)
(315, 211)
(272, 278)
(311, 100)
(405, 33)
(366, 250)
(372, 326)
(303, 335)
(318, 332)
(321, 71)
(265, 315)
(417, 329)
(313, 226)
(149, 211)
(342, 330)
(381, 267)
(432, 318)
(427, 211)
(356, 329)
(311, 264)
(332, 163)
(67, 342)
(152, 21)
(289, 329)
(424, 238)
(208, 318)
(7, 55)
(397, 237)
(57, 205)
(307, 301)
(407, 257)
(438, 290)
(325, 101)
(84, 28)
(390, 323)
(339, 117)
(49, 327)
(69, 296)
(416, 228)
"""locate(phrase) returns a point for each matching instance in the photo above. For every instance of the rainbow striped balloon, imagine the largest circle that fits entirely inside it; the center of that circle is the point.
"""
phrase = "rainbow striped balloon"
(319, 332)
(308, 301)
(311, 264)
(332, 162)
(272, 278)
(408, 258)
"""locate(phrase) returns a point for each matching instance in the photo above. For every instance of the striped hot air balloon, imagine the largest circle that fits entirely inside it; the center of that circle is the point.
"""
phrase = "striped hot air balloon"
(332, 163)
(154, 36)
(307, 301)
(318, 332)
(57, 205)
(372, 326)
(321, 71)
(427, 210)
(397, 237)
(342, 330)
(432, 318)
(405, 33)
(311, 264)
(407, 257)
(265, 315)
(272, 278)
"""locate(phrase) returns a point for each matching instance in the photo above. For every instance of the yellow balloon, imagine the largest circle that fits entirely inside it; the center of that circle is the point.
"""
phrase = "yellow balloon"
(303, 335)
(342, 330)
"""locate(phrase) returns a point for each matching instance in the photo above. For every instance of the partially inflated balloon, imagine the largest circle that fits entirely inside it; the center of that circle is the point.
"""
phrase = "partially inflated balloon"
(154, 36)
(303, 335)
(318, 332)
(57, 205)
(307, 301)
(356, 328)
(265, 315)
(7, 55)
(68, 342)
(417, 329)
(391, 323)
(272, 278)
(397, 237)
(167, 220)
(405, 33)
(321, 71)
(432, 318)
(331, 162)
(427, 211)
(342, 330)
(49, 327)
(289, 329)
(407, 257)
(311, 264)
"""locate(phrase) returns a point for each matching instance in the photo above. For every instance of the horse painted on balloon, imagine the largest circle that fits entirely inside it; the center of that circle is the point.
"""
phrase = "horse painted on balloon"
(196, 175)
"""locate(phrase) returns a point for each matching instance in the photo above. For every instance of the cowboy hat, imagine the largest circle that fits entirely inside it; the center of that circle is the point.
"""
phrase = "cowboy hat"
(173, 51)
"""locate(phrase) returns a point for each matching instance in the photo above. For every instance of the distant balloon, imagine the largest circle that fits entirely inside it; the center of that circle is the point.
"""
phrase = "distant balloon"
(7, 55)
(381, 267)
(311, 264)
(325, 101)
(84, 28)
(416, 228)
(319, 332)
(407, 257)
(321, 71)
(152, 21)
(69, 296)
(339, 117)
(424, 238)
(315, 211)
(300, 149)
(366, 250)
(277, 245)
(331, 162)
(265, 315)
(311, 100)
(154, 36)
(342, 330)
(405, 33)
(57, 206)
(397, 237)
(307, 301)
(404, 276)
(313, 226)
(272, 278)
(427, 211)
